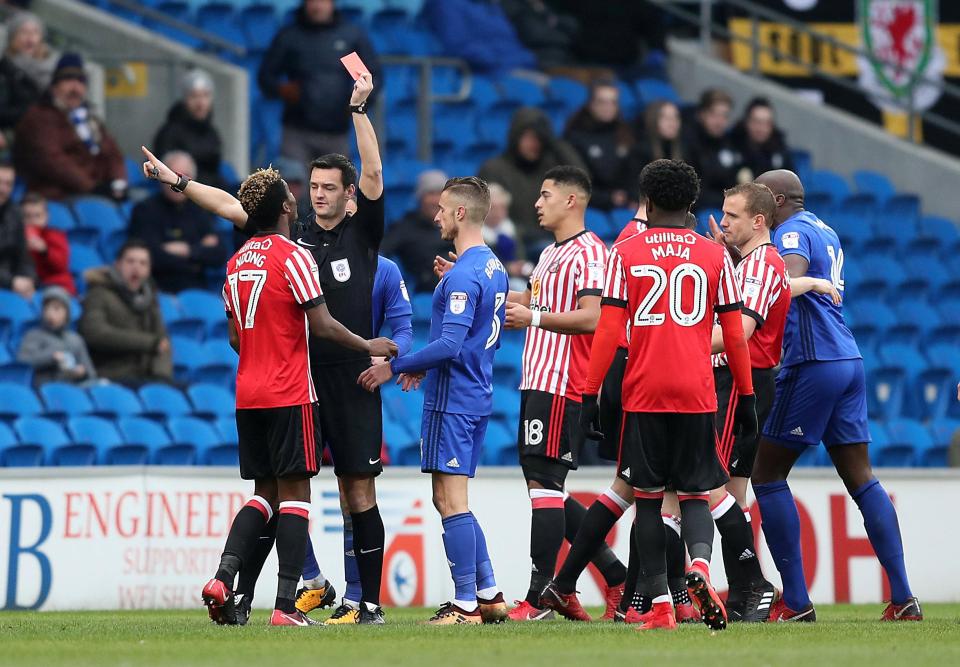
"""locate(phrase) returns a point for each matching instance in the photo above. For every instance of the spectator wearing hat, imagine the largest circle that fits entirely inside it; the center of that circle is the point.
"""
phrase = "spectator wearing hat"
(500, 234)
(414, 239)
(56, 353)
(180, 235)
(62, 149)
(16, 269)
(49, 247)
(189, 127)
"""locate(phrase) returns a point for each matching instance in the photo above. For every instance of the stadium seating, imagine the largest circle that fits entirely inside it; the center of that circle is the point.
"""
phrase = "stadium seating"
(114, 400)
(64, 400)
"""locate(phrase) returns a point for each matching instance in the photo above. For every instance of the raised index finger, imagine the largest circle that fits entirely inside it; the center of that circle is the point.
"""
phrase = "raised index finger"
(150, 156)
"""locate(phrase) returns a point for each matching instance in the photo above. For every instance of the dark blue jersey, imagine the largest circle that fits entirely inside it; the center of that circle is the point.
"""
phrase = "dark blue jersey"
(391, 303)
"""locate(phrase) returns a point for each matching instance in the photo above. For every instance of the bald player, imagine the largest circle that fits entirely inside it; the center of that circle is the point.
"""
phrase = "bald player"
(820, 396)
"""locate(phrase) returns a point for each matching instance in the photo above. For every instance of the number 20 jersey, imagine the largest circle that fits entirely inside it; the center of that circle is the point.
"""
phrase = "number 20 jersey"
(671, 281)
(472, 294)
(271, 282)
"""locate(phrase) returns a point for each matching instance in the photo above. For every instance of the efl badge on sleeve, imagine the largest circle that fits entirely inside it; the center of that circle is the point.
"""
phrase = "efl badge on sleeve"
(341, 269)
(458, 302)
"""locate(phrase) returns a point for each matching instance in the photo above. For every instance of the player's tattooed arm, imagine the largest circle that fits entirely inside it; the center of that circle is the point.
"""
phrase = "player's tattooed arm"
(214, 200)
(323, 325)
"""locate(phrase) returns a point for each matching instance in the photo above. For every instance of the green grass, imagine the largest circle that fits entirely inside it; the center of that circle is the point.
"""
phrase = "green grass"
(846, 634)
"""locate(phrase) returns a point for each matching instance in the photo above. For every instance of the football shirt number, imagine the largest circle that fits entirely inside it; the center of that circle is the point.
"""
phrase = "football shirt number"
(681, 276)
(499, 300)
(532, 432)
(836, 267)
(259, 279)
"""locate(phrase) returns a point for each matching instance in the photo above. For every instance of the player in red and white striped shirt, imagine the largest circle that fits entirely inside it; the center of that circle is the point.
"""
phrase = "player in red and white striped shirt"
(273, 298)
(748, 211)
(560, 310)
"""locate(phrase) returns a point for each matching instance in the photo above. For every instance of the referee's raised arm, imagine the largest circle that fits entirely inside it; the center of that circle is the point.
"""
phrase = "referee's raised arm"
(216, 201)
(371, 167)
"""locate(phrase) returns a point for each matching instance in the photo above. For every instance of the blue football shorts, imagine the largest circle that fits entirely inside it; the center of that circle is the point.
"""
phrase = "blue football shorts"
(451, 443)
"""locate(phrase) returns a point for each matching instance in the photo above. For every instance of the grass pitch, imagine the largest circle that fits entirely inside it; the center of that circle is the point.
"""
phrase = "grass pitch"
(845, 635)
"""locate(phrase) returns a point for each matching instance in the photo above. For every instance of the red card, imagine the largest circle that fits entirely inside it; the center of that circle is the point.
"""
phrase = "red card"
(354, 65)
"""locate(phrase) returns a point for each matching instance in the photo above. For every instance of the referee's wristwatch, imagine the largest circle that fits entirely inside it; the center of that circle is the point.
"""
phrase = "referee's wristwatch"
(359, 108)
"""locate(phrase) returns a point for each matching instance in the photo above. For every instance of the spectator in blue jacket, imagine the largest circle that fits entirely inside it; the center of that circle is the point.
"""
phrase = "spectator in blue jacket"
(479, 32)
(302, 68)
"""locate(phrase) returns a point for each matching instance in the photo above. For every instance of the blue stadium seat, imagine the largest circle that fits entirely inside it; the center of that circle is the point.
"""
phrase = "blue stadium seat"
(924, 275)
(878, 276)
(162, 402)
(18, 401)
(483, 92)
(907, 437)
(944, 356)
(915, 319)
(64, 400)
(14, 453)
(906, 357)
(874, 183)
(651, 90)
(114, 400)
(904, 208)
(802, 163)
(187, 328)
(398, 438)
(211, 402)
(506, 403)
(830, 183)
(259, 23)
(871, 318)
(103, 435)
(422, 304)
(404, 406)
(942, 231)
(188, 355)
(570, 94)
(16, 314)
(61, 217)
(931, 392)
(599, 223)
(16, 373)
(60, 449)
(199, 436)
(886, 389)
(520, 91)
(948, 330)
(169, 307)
(942, 432)
(153, 436)
(506, 364)
(200, 304)
(500, 445)
(83, 257)
(227, 427)
(98, 213)
(222, 19)
(878, 439)
(218, 365)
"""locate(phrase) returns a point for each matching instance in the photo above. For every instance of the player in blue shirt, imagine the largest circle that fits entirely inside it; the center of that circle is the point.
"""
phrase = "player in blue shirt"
(456, 368)
(820, 396)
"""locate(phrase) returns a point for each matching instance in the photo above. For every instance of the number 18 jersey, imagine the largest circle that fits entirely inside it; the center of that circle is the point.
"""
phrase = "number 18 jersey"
(671, 281)
(271, 282)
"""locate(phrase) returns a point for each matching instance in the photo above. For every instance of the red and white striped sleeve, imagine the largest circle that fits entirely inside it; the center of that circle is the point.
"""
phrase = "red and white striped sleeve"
(729, 296)
(591, 270)
(760, 285)
(226, 300)
(303, 276)
(615, 284)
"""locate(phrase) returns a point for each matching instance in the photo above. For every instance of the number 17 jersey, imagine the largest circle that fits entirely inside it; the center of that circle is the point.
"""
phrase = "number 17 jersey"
(271, 282)
(671, 281)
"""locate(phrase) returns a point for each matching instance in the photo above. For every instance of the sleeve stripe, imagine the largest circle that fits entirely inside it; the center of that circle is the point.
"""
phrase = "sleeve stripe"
(293, 277)
(314, 277)
(313, 289)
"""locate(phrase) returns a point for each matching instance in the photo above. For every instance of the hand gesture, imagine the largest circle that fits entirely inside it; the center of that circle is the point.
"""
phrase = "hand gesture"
(383, 347)
(441, 265)
(375, 376)
(155, 170)
(518, 316)
(408, 381)
(590, 417)
(362, 88)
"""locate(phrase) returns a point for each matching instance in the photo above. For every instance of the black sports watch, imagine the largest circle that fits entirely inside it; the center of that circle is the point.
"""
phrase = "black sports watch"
(181, 183)
(359, 108)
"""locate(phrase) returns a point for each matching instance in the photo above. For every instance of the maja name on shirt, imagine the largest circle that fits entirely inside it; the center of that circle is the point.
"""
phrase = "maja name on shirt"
(665, 244)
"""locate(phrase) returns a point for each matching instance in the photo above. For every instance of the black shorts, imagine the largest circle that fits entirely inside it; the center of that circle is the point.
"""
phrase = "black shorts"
(549, 428)
(351, 418)
(670, 450)
(611, 407)
(737, 454)
(279, 442)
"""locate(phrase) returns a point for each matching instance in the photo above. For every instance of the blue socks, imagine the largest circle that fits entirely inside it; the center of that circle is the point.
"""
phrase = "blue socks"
(350, 570)
(311, 568)
(460, 543)
(883, 529)
(781, 528)
(485, 578)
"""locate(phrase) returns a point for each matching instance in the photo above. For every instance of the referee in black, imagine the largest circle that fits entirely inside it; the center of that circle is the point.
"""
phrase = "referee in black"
(345, 248)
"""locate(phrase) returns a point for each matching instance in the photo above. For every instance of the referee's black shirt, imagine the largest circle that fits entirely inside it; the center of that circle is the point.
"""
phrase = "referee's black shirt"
(347, 258)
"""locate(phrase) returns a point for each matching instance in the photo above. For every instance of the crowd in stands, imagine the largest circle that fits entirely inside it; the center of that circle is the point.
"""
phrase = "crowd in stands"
(55, 152)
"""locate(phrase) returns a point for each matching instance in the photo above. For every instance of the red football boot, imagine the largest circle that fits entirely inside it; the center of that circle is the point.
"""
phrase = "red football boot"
(297, 618)
(567, 605)
(687, 613)
(219, 602)
(612, 595)
(660, 617)
(781, 613)
(524, 611)
(908, 611)
(631, 617)
(712, 611)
